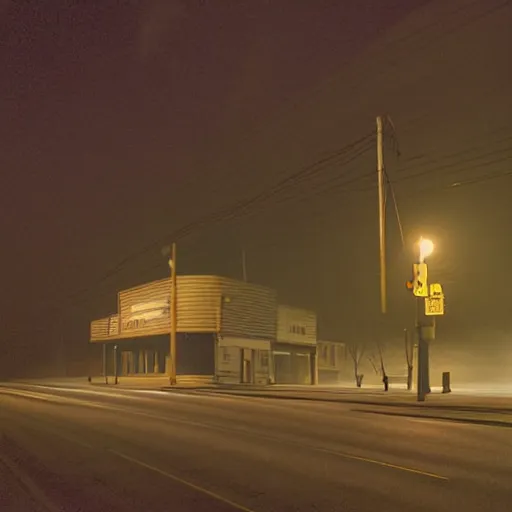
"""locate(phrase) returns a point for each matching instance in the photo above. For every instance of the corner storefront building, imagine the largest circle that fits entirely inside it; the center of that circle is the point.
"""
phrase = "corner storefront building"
(228, 331)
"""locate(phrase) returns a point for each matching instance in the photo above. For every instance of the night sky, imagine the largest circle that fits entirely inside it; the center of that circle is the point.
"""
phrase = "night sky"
(122, 122)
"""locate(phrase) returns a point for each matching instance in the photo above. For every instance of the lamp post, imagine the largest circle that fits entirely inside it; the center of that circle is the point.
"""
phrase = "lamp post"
(423, 325)
(173, 317)
(170, 252)
(426, 248)
(218, 335)
(115, 365)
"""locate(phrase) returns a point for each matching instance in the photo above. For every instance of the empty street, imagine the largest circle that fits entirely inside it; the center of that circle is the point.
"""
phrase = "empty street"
(96, 448)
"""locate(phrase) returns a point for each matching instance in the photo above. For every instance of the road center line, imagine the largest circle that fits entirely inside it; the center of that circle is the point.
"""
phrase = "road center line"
(348, 456)
(182, 481)
(384, 464)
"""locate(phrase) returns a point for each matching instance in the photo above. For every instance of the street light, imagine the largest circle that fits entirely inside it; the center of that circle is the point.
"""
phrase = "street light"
(218, 335)
(426, 248)
(115, 365)
(170, 251)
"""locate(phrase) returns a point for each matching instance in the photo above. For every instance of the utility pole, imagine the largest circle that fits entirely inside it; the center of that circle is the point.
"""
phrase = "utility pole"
(244, 265)
(173, 317)
(382, 216)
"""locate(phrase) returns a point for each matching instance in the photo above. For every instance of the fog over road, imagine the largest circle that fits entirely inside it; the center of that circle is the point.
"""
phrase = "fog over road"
(97, 449)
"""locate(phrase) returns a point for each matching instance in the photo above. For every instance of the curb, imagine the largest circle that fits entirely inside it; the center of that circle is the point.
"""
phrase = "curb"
(413, 405)
(472, 421)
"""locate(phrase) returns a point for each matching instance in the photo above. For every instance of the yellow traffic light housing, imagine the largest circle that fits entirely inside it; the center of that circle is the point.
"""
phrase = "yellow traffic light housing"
(420, 285)
(436, 290)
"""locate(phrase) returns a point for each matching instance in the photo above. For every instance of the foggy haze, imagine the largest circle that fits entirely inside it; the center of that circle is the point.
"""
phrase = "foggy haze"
(121, 125)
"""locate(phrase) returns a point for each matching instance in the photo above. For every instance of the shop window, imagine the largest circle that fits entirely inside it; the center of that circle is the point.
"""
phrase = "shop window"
(327, 355)
(298, 329)
(332, 358)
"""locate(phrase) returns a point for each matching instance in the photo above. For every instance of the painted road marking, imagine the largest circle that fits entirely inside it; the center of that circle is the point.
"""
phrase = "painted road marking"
(37, 493)
(182, 481)
(130, 394)
(113, 408)
(384, 464)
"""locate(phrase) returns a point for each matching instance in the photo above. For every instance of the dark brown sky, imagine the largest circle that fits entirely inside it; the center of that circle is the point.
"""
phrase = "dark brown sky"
(121, 124)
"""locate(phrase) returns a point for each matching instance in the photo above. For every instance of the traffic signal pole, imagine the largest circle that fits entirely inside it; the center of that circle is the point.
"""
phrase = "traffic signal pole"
(423, 372)
(424, 327)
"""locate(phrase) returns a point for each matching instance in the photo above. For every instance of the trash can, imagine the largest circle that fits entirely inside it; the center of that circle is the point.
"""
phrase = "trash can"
(446, 382)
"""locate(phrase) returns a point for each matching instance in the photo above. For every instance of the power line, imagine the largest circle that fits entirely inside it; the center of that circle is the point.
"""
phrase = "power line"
(473, 181)
(242, 207)
(479, 179)
(397, 213)
(201, 222)
(317, 189)
(458, 170)
(448, 156)
(468, 164)
(337, 183)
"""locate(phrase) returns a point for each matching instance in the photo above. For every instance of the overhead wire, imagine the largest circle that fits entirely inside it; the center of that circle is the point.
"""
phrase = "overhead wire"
(327, 186)
(307, 171)
(228, 212)
(449, 156)
(397, 212)
(447, 16)
(453, 168)
(330, 185)
(479, 179)
(468, 165)
(471, 181)
(339, 157)
(186, 229)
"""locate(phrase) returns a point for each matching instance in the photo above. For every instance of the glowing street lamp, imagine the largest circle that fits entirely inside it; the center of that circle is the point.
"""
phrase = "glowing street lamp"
(426, 248)
(421, 291)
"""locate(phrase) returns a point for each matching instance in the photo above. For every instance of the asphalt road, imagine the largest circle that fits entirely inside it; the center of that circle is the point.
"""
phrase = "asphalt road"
(99, 449)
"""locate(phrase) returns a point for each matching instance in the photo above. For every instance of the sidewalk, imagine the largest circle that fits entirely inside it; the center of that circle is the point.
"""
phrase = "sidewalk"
(460, 407)
(392, 398)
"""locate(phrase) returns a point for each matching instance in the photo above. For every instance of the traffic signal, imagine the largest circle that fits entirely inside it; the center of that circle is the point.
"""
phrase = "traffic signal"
(419, 282)
(436, 290)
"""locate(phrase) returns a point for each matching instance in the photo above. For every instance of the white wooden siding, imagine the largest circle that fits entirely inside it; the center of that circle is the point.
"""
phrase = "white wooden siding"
(204, 304)
(296, 325)
(105, 328)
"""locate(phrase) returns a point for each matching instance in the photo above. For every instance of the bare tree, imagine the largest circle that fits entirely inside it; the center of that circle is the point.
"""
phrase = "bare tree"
(378, 364)
(373, 361)
(385, 379)
(356, 351)
(408, 358)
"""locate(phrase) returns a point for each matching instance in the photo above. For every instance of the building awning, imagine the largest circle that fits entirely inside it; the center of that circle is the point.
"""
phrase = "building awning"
(293, 348)
(244, 343)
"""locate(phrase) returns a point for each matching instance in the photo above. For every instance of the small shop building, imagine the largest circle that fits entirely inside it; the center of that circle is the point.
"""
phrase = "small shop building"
(333, 364)
(228, 331)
